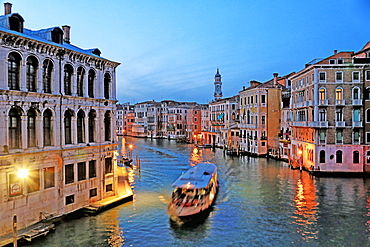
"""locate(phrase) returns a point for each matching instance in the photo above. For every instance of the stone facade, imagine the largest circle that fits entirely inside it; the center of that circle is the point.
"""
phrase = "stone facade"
(58, 104)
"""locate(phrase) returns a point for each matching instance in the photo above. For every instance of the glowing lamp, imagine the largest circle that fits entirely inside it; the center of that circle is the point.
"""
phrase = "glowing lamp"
(300, 152)
(22, 173)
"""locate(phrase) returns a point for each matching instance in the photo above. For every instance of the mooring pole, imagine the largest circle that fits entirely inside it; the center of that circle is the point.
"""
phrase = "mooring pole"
(15, 230)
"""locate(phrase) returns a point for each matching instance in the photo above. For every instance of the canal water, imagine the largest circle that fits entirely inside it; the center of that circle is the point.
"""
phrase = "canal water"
(261, 202)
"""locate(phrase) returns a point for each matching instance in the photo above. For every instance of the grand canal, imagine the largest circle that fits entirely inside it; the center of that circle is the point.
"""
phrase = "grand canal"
(261, 202)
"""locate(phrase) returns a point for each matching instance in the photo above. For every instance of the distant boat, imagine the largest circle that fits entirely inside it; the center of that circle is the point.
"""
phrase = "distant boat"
(204, 146)
(195, 192)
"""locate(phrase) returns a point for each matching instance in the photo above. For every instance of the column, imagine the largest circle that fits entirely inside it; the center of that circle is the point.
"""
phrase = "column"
(24, 133)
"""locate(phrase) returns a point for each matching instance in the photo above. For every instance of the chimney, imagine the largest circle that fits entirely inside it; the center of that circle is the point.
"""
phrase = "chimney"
(66, 31)
(335, 52)
(7, 8)
(275, 78)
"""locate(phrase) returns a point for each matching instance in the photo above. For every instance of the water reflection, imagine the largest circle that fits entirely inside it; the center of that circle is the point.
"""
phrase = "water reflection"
(305, 202)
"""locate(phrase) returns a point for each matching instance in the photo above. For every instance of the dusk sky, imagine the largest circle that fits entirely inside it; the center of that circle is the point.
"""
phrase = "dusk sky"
(170, 49)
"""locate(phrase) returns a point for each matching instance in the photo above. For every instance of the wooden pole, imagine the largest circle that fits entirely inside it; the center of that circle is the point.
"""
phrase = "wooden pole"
(15, 230)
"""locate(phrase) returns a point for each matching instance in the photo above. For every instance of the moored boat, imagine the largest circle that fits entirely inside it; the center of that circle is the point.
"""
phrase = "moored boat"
(195, 191)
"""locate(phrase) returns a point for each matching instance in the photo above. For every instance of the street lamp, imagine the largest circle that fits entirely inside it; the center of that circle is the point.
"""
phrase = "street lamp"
(22, 173)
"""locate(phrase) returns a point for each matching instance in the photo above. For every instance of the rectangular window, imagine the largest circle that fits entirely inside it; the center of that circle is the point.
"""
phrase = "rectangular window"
(367, 137)
(93, 192)
(15, 185)
(355, 76)
(340, 61)
(263, 99)
(322, 76)
(49, 177)
(108, 165)
(92, 168)
(322, 137)
(367, 73)
(33, 181)
(263, 119)
(70, 199)
(109, 188)
(332, 61)
(339, 76)
(81, 171)
(356, 137)
(339, 137)
(69, 174)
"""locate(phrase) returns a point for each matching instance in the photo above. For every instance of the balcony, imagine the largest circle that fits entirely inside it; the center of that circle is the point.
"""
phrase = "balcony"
(340, 102)
(357, 124)
(300, 123)
(340, 124)
(323, 102)
(356, 102)
(318, 124)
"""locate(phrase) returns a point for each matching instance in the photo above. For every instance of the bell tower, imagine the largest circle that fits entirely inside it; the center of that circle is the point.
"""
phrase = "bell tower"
(218, 84)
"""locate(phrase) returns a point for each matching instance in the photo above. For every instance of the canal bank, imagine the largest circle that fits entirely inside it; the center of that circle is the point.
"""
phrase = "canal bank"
(50, 223)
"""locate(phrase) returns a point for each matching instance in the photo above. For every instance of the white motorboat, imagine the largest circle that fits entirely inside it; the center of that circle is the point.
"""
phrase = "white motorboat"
(195, 191)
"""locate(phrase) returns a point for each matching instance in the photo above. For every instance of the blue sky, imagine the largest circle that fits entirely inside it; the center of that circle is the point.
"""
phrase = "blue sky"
(170, 49)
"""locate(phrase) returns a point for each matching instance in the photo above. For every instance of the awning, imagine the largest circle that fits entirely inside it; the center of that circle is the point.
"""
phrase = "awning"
(220, 116)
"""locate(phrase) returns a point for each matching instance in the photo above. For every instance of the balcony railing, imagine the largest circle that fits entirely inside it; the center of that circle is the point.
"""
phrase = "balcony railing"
(300, 123)
(357, 124)
(318, 124)
(356, 102)
(340, 124)
(340, 102)
(323, 102)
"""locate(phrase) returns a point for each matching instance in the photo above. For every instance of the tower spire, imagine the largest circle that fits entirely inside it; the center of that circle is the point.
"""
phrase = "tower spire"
(218, 84)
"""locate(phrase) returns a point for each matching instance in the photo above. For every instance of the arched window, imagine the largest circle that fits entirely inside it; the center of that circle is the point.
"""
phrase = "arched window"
(322, 94)
(31, 128)
(47, 75)
(367, 93)
(32, 65)
(14, 62)
(356, 157)
(68, 127)
(68, 71)
(80, 127)
(368, 115)
(322, 156)
(338, 93)
(47, 128)
(90, 82)
(356, 115)
(356, 93)
(107, 126)
(14, 128)
(80, 83)
(339, 156)
(107, 81)
(92, 116)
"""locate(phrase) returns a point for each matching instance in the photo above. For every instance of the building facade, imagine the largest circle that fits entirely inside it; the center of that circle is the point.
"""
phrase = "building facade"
(57, 122)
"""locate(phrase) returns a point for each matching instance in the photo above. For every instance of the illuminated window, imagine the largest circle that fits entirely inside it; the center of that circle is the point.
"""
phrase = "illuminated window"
(322, 94)
(33, 181)
(338, 93)
(49, 177)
